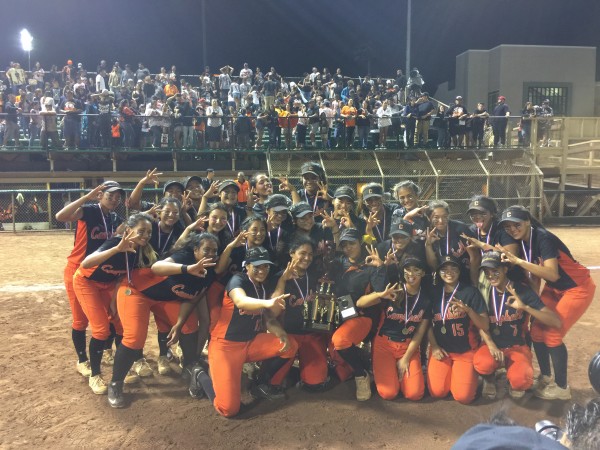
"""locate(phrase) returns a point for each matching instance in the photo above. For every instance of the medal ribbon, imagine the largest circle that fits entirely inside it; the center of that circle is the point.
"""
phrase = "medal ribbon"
(445, 309)
(277, 240)
(528, 253)
(162, 249)
(497, 313)
(232, 225)
(300, 290)
(406, 313)
(308, 201)
(108, 234)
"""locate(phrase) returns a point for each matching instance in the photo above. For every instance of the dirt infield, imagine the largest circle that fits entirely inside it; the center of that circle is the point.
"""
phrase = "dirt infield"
(46, 403)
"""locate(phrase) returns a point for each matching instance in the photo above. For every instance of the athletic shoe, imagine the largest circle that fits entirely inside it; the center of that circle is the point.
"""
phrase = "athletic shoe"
(108, 358)
(115, 394)
(514, 393)
(84, 368)
(540, 382)
(363, 388)
(489, 387)
(195, 387)
(131, 377)
(98, 385)
(142, 368)
(164, 367)
(267, 391)
(553, 392)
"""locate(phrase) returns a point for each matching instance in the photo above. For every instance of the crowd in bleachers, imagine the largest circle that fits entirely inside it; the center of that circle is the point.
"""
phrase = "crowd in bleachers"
(126, 108)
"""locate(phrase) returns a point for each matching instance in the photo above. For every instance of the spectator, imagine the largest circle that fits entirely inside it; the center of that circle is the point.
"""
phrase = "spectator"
(126, 75)
(234, 93)
(154, 112)
(545, 122)
(244, 186)
(410, 114)
(100, 83)
(457, 114)
(11, 130)
(242, 129)
(72, 108)
(499, 121)
(269, 91)
(363, 124)
(68, 72)
(224, 82)
(170, 88)
(105, 108)
(527, 115)
(141, 73)
(127, 116)
(440, 123)
(478, 119)
(208, 180)
(301, 127)
(16, 77)
(38, 75)
(425, 111)
(326, 116)
(349, 113)
(214, 115)
(35, 122)
(49, 127)
(246, 73)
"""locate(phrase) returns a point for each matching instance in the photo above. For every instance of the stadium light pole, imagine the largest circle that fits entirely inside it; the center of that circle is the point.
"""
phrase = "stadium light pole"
(27, 44)
(408, 33)
(203, 18)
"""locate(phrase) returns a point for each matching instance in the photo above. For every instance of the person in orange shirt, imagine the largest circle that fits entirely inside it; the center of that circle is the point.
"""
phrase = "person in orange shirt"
(244, 186)
(349, 114)
(170, 88)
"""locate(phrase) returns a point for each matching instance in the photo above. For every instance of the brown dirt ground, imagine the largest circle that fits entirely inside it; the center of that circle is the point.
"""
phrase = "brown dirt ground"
(46, 403)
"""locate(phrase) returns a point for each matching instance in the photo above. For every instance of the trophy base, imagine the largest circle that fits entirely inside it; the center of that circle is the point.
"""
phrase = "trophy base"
(320, 327)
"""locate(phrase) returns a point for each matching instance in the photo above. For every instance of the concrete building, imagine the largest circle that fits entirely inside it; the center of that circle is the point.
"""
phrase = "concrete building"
(565, 75)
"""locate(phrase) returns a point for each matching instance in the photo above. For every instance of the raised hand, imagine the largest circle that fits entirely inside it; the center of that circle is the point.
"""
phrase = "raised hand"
(514, 301)
(373, 258)
(290, 272)
(199, 268)
(127, 243)
(390, 258)
(391, 292)
(432, 237)
(151, 177)
(154, 212)
(285, 185)
(213, 190)
(95, 193)
(507, 256)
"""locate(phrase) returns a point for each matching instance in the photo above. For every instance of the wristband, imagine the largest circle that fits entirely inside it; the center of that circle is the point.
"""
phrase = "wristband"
(184, 268)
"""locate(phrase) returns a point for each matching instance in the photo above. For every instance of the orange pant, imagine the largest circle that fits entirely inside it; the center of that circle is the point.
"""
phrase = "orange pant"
(568, 305)
(312, 353)
(95, 299)
(80, 321)
(351, 332)
(454, 374)
(518, 362)
(214, 301)
(134, 311)
(386, 353)
(226, 359)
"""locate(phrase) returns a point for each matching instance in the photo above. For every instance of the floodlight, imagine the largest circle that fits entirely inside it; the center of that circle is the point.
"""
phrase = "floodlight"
(26, 40)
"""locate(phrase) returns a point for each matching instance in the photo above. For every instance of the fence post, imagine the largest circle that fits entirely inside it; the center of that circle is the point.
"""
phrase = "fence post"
(14, 212)
(49, 206)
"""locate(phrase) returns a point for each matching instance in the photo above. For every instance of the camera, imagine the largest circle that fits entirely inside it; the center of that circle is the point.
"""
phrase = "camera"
(549, 429)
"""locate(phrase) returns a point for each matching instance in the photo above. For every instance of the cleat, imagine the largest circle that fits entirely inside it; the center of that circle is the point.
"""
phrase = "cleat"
(363, 388)
(164, 368)
(98, 385)
(553, 392)
(84, 368)
(115, 394)
(142, 368)
(267, 391)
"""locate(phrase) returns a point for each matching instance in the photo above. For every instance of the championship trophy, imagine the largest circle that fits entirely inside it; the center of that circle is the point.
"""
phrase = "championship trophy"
(321, 313)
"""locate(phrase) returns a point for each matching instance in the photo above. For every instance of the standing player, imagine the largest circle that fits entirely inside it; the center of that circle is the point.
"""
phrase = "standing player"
(96, 222)
(509, 309)
(568, 291)
(377, 214)
(458, 313)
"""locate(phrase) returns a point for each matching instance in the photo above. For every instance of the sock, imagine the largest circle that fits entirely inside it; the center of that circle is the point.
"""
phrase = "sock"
(543, 357)
(269, 368)
(162, 343)
(124, 359)
(96, 350)
(559, 357)
(79, 344)
(352, 356)
(109, 342)
(118, 339)
(189, 347)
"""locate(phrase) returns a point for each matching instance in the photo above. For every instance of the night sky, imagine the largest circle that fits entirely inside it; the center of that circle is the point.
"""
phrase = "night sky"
(292, 35)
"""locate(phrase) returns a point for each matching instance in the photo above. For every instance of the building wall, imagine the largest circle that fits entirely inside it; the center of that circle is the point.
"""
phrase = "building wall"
(508, 68)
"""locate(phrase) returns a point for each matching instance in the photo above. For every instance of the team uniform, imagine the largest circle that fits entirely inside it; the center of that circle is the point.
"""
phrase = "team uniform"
(237, 338)
(397, 328)
(453, 244)
(162, 242)
(381, 231)
(312, 347)
(412, 250)
(91, 231)
(569, 296)
(508, 329)
(459, 337)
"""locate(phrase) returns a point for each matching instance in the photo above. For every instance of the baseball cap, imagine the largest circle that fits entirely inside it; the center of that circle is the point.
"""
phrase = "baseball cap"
(278, 202)
(401, 227)
(188, 180)
(350, 234)
(449, 259)
(458, 97)
(491, 260)
(482, 204)
(372, 190)
(257, 256)
(497, 437)
(49, 101)
(414, 261)
(515, 214)
(226, 183)
(210, 169)
(300, 209)
(345, 192)
(113, 186)
(170, 183)
(546, 101)
(502, 97)
(105, 92)
(313, 168)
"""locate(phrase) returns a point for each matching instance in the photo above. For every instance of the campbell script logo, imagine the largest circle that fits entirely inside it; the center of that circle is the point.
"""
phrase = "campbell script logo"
(179, 291)
(111, 270)
(98, 233)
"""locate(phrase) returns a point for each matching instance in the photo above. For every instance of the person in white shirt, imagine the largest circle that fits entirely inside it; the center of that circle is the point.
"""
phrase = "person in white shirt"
(385, 121)
(154, 113)
(100, 82)
(214, 113)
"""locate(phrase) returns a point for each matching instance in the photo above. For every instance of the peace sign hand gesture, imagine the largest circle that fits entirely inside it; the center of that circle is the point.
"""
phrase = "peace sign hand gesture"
(390, 258)
(514, 301)
(213, 190)
(323, 193)
(432, 236)
(372, 222)
(508, 257)
(290, 272)
(199, 269)
(391, 292)
(126, 244)
(285, 185)
(373, 259)
(151, 177)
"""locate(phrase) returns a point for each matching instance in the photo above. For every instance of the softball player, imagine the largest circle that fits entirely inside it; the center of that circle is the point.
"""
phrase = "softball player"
(408, 194)
(168, 229)
(458, 312)
(568, 292)
(378, 215)
(261, 188)
(405, 319)
(238, 338)
(170, 290)
(95, 224)
(95, 282)
(509, 308)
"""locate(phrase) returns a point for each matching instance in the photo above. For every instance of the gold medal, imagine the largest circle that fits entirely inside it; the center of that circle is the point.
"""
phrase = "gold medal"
(127, 291)
(405, 331)
(443, 330)
(497, 331)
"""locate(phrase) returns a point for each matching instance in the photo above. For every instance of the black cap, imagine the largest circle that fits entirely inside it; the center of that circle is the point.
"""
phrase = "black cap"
(546, 101)
(414, 261)
(226, 183)
(300, 209)
(401, 227)
(515, 214)
(482, 204)
(278, 202)
(113, 186)
(491, 260)
(257, 256)
(210, 170)
(449, 259)
(350, 234)
(187, 180)
(345, 192)
(313, 168)
(372, 190)
(170, 183)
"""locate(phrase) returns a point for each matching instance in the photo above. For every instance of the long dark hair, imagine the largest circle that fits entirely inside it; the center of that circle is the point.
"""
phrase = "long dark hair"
(147, 254)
